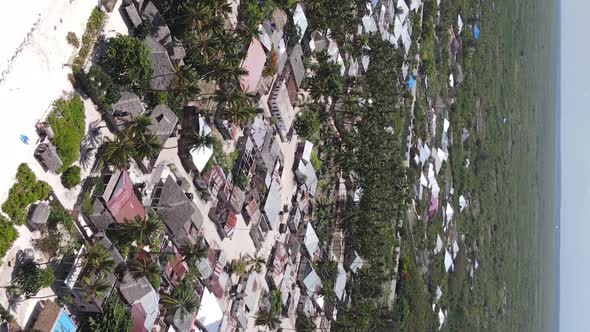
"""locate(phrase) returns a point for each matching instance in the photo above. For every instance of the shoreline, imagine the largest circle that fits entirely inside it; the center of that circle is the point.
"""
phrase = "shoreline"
(36, 75)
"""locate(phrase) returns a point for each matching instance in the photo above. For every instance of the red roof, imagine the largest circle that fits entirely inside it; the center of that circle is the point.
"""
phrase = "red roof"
(231, 220)
(123, 203)
(138, 315)
(254, 64)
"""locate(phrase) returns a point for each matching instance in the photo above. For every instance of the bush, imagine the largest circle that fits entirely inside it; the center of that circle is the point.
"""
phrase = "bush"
(72, 39)
(24, 192)
(306, 124)
(8, 235)
(116, 317)
(71, 177)
(127, 61)
(92, 29)
(30, 278)
(315, 161)
(99, 87)
(67, 122)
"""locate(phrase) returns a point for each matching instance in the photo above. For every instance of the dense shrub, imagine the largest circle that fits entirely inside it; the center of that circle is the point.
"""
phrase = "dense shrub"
(24, 192)
(127, 61)
(307, 124)
(72, 39)
(67, 122)
(93, 27)
(116, 317)
(7, 235)
(99, 87)
(71, 177)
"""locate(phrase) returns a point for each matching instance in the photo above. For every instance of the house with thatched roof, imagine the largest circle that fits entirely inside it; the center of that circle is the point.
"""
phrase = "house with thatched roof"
(47, 156)
(39, 215)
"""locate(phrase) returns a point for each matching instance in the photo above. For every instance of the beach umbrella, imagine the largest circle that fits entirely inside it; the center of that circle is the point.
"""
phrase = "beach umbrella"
(476, 32)
(24, 139)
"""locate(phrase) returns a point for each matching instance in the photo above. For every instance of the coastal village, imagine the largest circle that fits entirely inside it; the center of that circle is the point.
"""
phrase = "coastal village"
(167, 197)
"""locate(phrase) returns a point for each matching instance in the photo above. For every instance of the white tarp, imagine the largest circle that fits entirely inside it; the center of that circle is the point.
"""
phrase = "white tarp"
(451, 80)
(449, 212)
(300, 21)
(455, 249)
(446, 125)
(438, 294)
(459, 24)
(462, 203)
(202, 154)
(423, 180)
(438, 244)
(210, 313)
(441, 318)
(424, 153)
(448, 261)
(402, 10)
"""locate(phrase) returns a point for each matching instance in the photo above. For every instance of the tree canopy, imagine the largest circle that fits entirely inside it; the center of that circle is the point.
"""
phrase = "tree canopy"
(127, 61)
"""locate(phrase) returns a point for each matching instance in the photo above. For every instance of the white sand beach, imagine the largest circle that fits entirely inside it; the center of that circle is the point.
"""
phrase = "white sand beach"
(32, 72)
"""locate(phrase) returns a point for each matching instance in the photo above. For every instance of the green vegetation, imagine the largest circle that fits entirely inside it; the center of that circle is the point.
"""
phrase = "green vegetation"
(5, 315)
(93, 27)
(127, 61)
(67, 121)
(134, 141)
(99, 87)
(8, 235)
(182, 300)
(116, 317)
(71, 177)
(24, 192)
(307, 124)
(60, 236)
(31, 278)
(315, 161)
(72, 39)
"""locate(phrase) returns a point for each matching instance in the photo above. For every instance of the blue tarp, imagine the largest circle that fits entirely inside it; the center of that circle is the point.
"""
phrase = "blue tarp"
(374, 2)
(411, 82)
(476, 32)
(24, 139)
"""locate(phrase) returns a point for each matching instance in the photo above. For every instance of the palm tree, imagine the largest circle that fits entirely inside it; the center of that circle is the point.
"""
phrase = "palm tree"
(242, 115)
(230, 98)
(142, 230)
(195, 140)
(95, 286)
(138, 126)
(265, 317)
(238, 266)
(182, 300)
(256, 262)
(223, 71)
(97, 259)
(143, 267)
(191, 254)
(185, 84)
(205, 46)
(195, 17)
(118, 152)
(146, 146)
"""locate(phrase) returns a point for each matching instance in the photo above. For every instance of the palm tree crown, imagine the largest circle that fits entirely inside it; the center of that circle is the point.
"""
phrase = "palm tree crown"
(143, 230)
(143, 267)
(265, 317)
(97, 259)
(182, 300)
(118, 152)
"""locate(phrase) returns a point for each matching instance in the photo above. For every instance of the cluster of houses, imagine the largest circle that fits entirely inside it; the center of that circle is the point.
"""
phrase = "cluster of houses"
(433, 187)
(261, 207)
